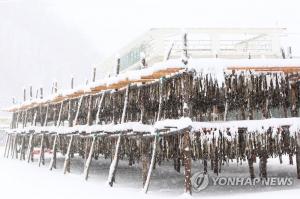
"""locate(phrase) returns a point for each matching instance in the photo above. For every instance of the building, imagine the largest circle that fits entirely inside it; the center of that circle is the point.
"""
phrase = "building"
(231, 43)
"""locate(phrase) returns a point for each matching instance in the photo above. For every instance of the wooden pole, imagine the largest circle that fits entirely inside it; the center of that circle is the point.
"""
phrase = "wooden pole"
(72, 83)
(89, 159)
(54, 151)
(99, 108)
(15, 147)
(118, 67)
(115, 161)
(24, 94)
(298, 155)
(89, 115)
(187, 162)
(9, 145)
(67, 163)
(6, 144)
(60, 112)
(30, 93)
(160, 99)
(41, 93)
(145, 158)
(22, 149)
(30, 148)
(46, 116)
(94, 74)
(75, 122)
(184, 49)
(147, 182)
(42, 154)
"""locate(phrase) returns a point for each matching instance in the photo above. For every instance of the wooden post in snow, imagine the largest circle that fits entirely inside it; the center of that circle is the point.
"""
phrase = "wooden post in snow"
(298, 155)
(186, 137)
(184, 49)
(15, 147)
(59, 114)
(24, 94)
(41, 93)
(30, 93)
(89, 159)
(22, 148)
(42, 151)
(54, 151)
(117, 70)
(294, 94)
(94, 74)
(115, 161)
(226, 103)
(250, 156)
(6, 144)
(147, 182)
(75, 122)
(30, 148)
(9, 145)
(70, 122)
(161, 86)
(145, 159)
(263, 157)
(67, 163)
(89, 115)
(99, 108)
(46, 116)
(187, 162)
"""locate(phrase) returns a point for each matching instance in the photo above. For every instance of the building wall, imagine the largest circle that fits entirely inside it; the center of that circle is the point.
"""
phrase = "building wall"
(231, 43)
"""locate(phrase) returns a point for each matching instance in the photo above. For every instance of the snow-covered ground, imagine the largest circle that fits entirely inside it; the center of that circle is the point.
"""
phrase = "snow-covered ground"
(18, 179)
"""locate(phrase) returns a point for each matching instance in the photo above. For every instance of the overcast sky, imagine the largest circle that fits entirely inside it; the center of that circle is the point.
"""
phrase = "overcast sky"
(55, 39)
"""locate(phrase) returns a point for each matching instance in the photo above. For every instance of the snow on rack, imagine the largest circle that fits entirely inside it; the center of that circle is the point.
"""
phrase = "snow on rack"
(215, 67)
(170, 125)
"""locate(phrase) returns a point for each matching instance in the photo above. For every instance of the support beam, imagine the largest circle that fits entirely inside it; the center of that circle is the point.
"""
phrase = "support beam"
(30, 148)
(53, 157)
(145, 159)
(70, 113)
(187, 162)
(67, 163)
(75, 122)
(60, 112)
(14, 147)
(161, 81)
(22, 149)
(99, 108)
(89, 159)
(89, 114)
(46, 116)
(115, 161)
(9, 145)
(147, 182)
(42, 151)
(6, 144)
(298, 155)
